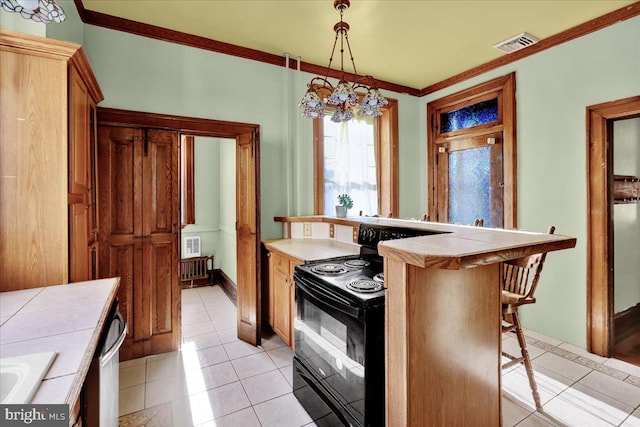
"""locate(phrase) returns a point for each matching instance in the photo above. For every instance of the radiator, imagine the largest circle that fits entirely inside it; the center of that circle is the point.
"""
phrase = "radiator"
(194, 268)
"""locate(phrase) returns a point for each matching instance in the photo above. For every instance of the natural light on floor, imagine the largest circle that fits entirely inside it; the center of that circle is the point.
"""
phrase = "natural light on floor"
(201, 410)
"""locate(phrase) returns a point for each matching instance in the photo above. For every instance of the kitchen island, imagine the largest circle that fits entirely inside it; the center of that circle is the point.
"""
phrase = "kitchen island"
(443, 318)
(67, 319)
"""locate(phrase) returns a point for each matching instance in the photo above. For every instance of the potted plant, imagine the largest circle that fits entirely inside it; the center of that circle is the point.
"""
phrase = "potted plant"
(346, 203)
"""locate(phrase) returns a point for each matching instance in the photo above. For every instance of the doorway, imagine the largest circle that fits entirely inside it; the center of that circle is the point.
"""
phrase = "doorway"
(208, 200)
(603, 192)
(247, 223)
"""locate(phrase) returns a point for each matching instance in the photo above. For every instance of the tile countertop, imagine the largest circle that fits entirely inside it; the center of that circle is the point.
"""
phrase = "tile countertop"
(312, 249)
(67, 319)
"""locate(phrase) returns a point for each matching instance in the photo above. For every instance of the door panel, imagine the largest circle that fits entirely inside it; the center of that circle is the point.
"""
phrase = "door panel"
(161, 278)
(248, 301)
(79, 269)
(79, 179)
(160, 172)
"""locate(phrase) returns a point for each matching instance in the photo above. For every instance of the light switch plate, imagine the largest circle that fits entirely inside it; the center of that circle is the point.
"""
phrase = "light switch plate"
(307, 230)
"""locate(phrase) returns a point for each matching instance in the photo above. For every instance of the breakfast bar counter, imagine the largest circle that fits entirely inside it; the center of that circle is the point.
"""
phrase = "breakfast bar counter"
(443, 318)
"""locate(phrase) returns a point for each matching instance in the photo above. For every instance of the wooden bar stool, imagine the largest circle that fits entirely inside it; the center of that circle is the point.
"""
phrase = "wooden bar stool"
(519, 281)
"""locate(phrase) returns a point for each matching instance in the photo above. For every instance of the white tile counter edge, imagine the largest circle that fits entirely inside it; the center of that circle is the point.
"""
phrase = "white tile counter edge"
(65, 386)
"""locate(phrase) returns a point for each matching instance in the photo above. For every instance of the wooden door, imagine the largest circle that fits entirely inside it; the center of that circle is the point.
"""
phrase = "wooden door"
(161, 291)
(138, 207)
(470, 180)
(120, 220)
(247, 232)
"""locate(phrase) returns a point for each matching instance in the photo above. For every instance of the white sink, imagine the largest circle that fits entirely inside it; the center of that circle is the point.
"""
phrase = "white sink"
(20, 376)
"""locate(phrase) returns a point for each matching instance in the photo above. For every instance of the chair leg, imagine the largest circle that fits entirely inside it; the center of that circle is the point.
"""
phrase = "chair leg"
(526, 360)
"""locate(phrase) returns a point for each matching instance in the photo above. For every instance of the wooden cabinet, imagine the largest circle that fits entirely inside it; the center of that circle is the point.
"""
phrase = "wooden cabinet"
(282, 295)
(47, 102)
(138, 217)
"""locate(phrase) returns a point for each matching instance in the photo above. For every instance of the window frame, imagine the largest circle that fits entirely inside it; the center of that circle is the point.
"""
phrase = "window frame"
(504, 88)
(386, 142)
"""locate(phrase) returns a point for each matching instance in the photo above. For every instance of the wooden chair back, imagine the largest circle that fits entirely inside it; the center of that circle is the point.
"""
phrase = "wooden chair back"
(520, 276)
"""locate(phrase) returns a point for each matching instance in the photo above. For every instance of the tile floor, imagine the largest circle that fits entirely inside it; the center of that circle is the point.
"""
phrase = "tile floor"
(216, 380)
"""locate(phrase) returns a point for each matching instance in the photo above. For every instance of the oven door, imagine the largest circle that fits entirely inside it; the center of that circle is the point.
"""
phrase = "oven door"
(330, 343)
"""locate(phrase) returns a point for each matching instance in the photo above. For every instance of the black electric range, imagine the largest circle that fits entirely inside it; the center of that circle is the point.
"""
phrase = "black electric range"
(339, 333)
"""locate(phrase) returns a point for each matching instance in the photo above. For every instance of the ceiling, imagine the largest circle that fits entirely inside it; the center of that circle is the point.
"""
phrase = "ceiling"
(414, 43)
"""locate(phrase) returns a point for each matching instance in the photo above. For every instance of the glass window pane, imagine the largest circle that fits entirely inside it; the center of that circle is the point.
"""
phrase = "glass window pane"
(470, 186)
(350, 165)
(468, 117)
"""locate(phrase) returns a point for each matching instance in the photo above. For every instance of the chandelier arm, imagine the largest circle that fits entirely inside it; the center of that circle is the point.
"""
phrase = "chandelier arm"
(358, 82)
(353, 63)
(333, 50)
(325, 83)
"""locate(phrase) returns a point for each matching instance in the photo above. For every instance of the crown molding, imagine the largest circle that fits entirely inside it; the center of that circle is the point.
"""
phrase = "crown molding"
(146, 30)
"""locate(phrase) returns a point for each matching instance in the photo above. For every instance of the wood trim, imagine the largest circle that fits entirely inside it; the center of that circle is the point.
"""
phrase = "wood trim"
(188, 181)
(588, 27)
(53, 49)
(191, 125)
(146, 30)
(504, 88)
(227, 285)
(159, 33)
(387, 138)
(626, 323)
(318, 167)
(600, 309)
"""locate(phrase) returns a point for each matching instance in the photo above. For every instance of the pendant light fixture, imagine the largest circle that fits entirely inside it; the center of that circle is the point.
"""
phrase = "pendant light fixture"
(321, 95)
(43, 11)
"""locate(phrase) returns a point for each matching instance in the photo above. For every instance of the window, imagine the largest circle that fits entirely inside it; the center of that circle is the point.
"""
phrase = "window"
(359, 157)
(471, 155)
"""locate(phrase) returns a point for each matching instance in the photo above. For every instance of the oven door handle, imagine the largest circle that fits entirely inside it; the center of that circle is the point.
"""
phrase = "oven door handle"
(323, 298)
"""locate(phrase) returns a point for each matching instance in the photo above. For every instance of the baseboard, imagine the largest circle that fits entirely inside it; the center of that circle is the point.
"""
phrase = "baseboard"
(626, 323)
(227, 285)
(198, 282)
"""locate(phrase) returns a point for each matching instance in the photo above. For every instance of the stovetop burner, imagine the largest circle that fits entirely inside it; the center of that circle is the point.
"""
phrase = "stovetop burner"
(329, 269)
(356, 263)
(379, 277)
(365, 285)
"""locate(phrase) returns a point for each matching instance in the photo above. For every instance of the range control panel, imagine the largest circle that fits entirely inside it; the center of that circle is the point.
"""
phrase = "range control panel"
(370, 234)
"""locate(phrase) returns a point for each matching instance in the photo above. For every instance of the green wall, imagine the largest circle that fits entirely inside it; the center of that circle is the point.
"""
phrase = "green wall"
(626, 217)
(553, 89)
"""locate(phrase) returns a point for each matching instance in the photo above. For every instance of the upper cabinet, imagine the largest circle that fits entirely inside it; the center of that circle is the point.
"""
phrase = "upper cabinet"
(48, 97)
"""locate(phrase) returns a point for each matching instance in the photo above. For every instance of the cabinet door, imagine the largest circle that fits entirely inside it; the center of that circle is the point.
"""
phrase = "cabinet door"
(79, 250)
(282, 285)
(282, 306)
(78, 134)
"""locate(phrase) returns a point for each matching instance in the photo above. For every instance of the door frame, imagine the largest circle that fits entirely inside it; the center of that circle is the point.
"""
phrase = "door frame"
(504, 88)
(600, 249)
(216, 129)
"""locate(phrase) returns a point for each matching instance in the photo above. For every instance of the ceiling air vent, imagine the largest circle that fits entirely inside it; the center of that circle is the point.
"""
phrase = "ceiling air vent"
(517, 42)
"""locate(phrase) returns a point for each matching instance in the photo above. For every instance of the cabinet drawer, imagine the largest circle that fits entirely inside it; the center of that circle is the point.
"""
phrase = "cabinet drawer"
(281, 264)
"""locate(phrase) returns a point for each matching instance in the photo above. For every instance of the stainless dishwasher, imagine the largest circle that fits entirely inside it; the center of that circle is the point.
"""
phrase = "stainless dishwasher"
(102, 386)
